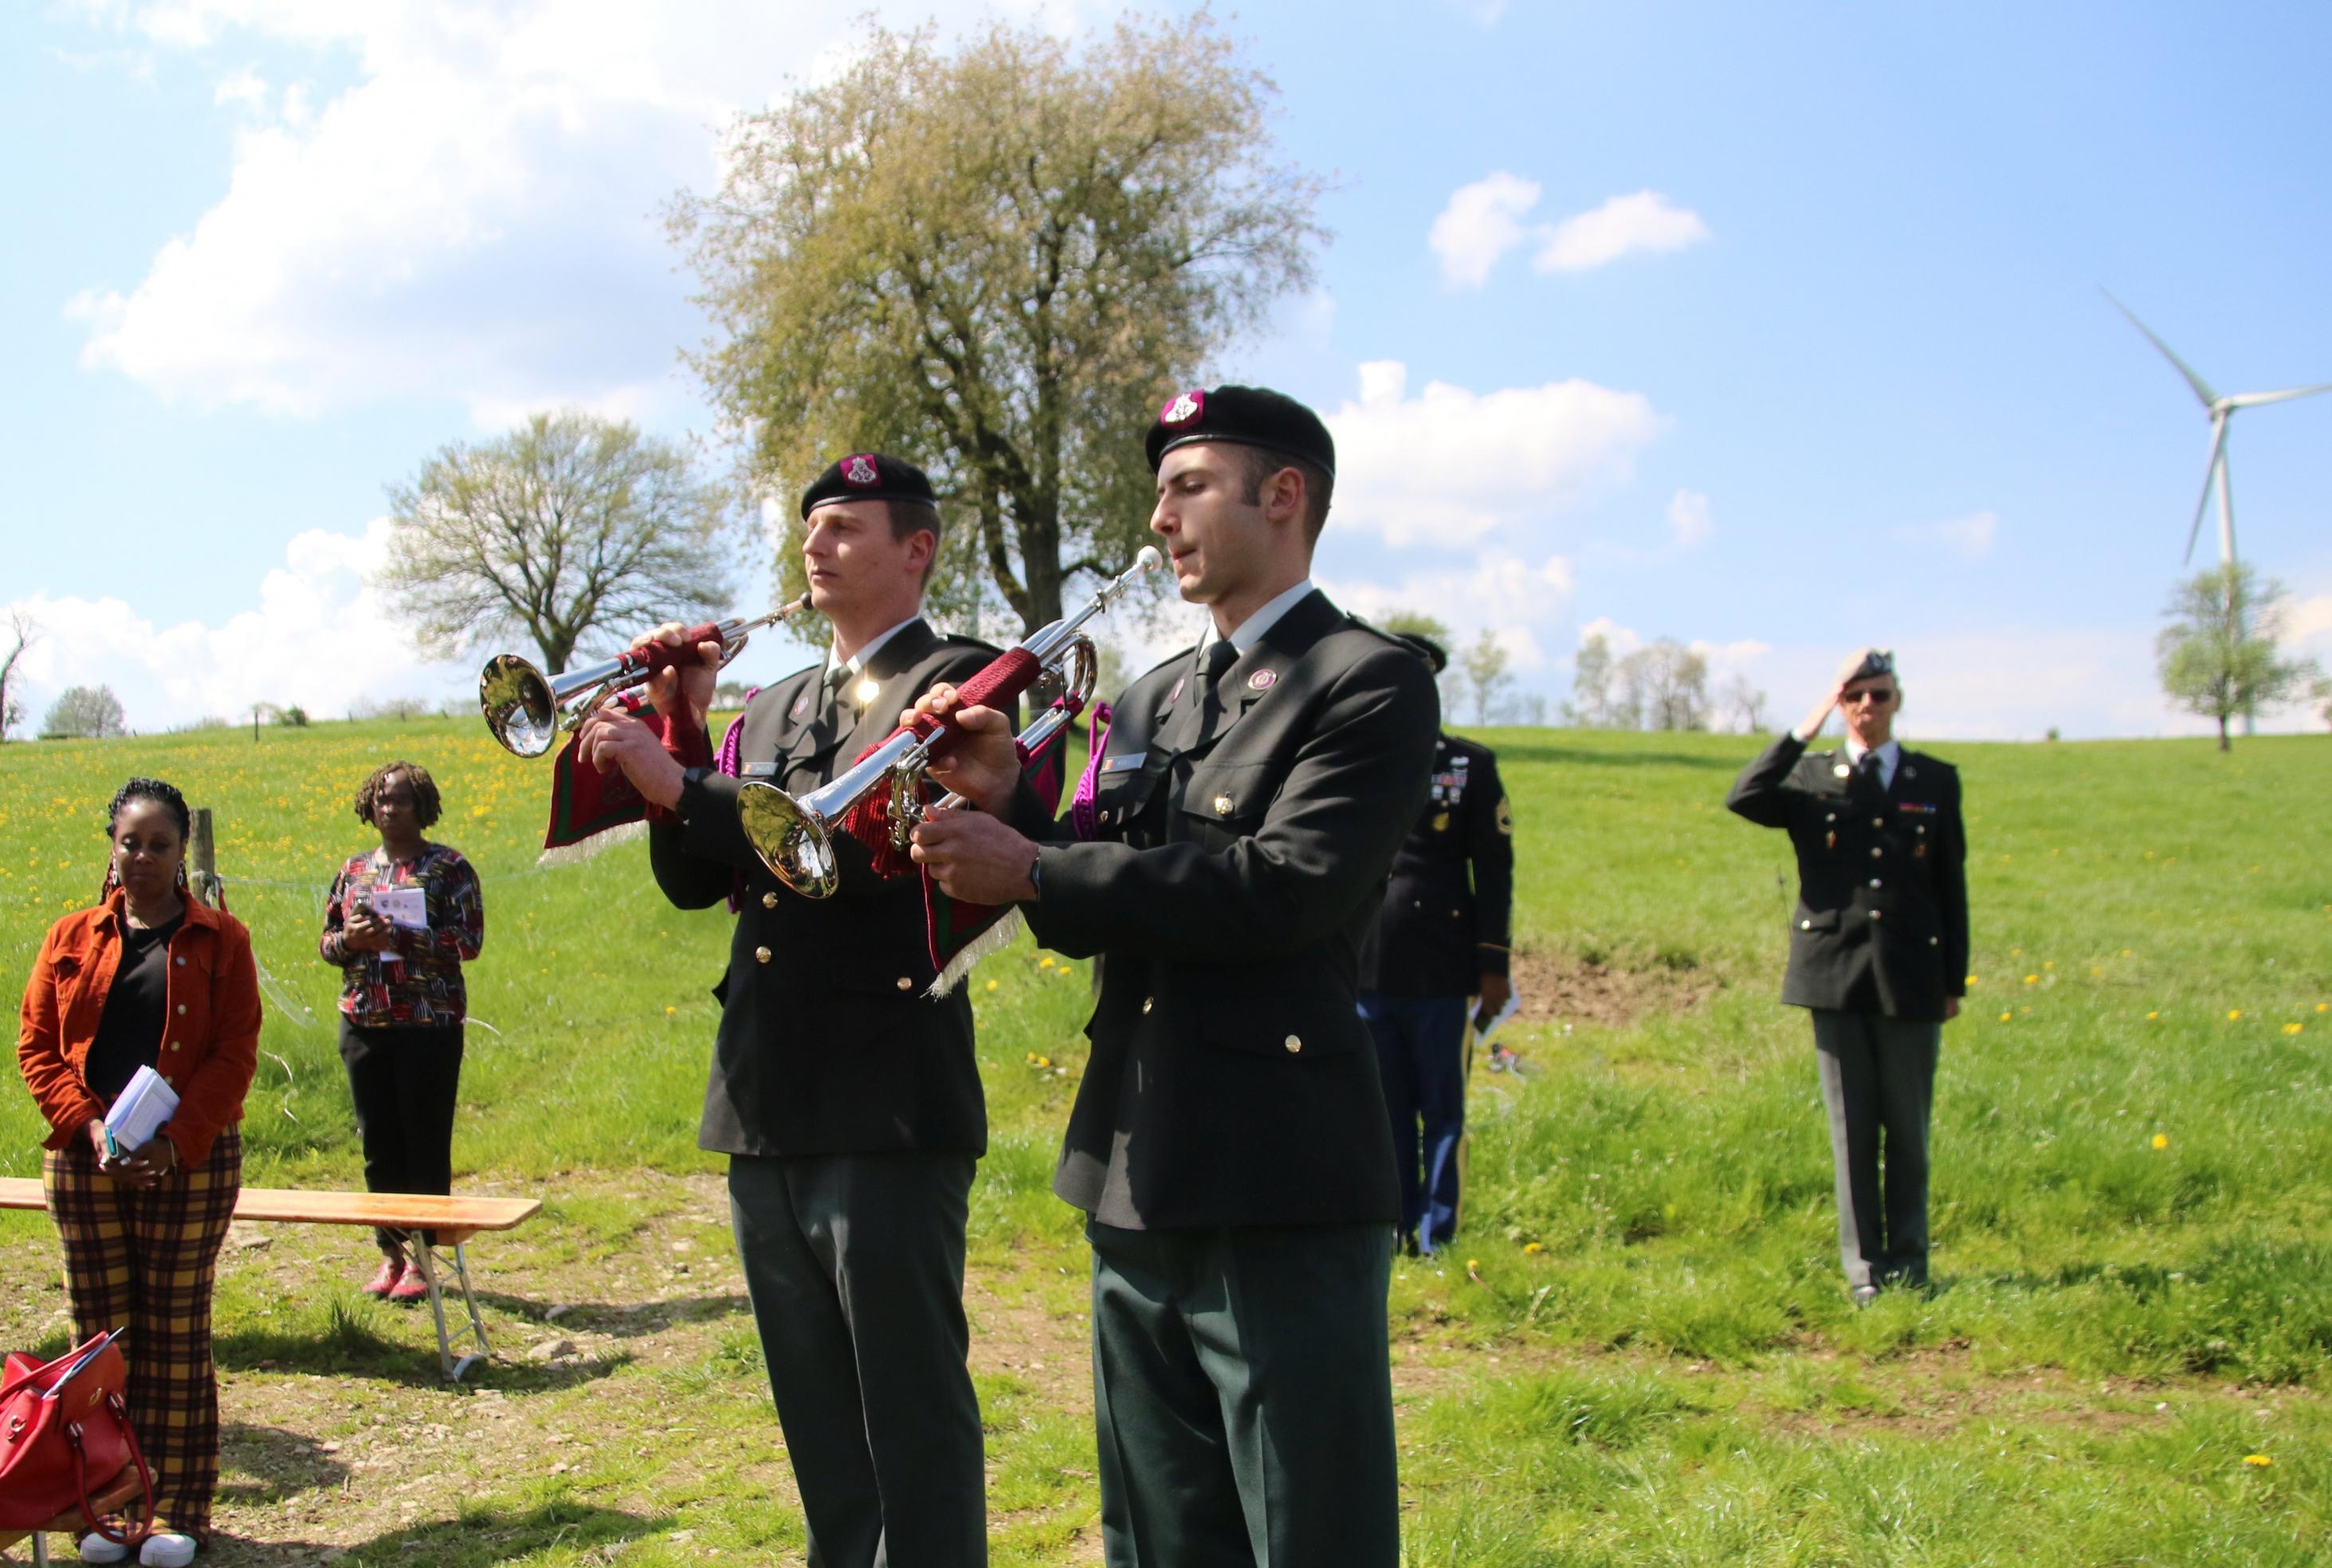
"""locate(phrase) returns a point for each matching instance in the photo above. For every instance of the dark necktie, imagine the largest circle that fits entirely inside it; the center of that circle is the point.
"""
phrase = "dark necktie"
(1868, 768)
(1221, 654)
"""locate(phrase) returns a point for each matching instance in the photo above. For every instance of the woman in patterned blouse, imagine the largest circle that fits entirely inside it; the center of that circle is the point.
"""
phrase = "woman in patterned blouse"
(402, 920)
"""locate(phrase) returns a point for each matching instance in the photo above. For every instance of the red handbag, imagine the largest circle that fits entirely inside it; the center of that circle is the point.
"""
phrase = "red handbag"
(65, 1429)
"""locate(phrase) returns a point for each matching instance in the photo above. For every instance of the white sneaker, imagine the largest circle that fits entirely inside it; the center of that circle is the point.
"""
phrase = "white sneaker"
(96, 1548)
(167, 1549)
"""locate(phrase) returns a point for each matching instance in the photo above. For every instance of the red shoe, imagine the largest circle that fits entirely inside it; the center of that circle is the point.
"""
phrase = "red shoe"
(411, 1286)
(384, 1282)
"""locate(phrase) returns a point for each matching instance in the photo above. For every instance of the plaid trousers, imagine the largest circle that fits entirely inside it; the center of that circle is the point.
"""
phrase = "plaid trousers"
(146, 1261)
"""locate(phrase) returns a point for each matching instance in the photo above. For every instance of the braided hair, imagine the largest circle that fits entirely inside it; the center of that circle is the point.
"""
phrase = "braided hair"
(426, 803)
(164, 795)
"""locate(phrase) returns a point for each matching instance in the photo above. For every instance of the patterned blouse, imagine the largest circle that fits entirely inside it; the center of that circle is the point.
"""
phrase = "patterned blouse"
(419, 982)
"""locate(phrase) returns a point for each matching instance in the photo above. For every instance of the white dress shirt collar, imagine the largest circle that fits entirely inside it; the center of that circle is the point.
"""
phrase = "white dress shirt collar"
(1889, 754)
(1250, 632)
(858, 660)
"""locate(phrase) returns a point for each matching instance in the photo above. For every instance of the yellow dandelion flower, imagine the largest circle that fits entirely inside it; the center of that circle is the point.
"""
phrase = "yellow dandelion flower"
(2032, 980)
(2006, 1016)
(2095, 974)
(1532, 1247)
(2324, 1007)
(672, 1012)
(1044, 1061)
(2048, 963)
(2162, 1140)
(2126, 953)
(2016, 952)
(2291, 1028)
(2233, 1014)
(1046, 962)
(2257, 1461)
(1972, 982)
(2151, 1016)
(991, 985)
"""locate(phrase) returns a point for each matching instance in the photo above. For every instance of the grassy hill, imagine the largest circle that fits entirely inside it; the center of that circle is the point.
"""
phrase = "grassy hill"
(1644, 1355)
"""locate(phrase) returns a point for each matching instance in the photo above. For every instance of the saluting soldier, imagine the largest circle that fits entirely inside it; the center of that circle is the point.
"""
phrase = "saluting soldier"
(1230, 1144)
(1879, 951)
(848, 1103)
(1443, 936)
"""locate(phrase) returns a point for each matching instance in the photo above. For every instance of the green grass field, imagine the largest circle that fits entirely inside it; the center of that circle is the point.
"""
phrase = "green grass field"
(1641, 1353)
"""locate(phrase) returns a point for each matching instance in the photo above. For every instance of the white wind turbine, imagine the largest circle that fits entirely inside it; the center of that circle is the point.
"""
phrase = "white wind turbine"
(2222, 411)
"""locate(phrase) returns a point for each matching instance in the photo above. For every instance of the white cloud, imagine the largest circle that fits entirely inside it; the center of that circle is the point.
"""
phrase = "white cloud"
(1513, 599)
(320, 638)
(476, 215)
(2306, 623)
(1970, 536)
(1689, 523)
(1481, 223)
(1450, 466)
(1642, 222)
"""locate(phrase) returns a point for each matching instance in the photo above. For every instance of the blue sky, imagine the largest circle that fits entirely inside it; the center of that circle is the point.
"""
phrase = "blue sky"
(1776, 329)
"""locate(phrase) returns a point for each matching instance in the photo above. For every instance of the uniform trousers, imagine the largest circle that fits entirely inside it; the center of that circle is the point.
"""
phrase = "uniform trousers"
(145, 1262)
(1878, 1086)
(1243, 1397)
(854, 1265)
(404, 1079)
(1421, 1057)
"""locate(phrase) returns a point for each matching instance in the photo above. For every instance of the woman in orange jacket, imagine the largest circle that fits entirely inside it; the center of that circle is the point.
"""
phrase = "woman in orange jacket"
(150, 978)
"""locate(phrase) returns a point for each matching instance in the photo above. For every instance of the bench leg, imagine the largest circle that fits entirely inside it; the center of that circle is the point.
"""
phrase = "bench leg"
(475, 1329)
(40, 1549)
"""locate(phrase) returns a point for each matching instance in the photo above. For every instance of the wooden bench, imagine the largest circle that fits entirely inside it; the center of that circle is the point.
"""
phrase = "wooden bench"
(452, 1221)
(109, 1498)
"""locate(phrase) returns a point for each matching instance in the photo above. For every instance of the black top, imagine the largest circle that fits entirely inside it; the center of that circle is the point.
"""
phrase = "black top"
(1882, 917)
(828, 1043)
(1243, 838)
(1447, 909)
(129, 1031)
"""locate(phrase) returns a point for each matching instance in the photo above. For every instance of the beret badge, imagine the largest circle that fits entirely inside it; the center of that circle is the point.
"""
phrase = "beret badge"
(861, 470)
(1184, 409)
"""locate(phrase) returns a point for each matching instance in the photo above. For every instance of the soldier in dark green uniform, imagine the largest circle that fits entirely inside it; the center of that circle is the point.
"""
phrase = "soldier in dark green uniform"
(1879, 951)
(1443, 936)
(848, 1101)
(1230, 1144)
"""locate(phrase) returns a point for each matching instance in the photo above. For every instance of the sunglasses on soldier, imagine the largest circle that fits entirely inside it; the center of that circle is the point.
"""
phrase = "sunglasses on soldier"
(1882, 695)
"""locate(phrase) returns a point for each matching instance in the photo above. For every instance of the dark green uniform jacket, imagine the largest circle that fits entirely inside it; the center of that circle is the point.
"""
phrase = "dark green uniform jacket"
(1241, 859)
(1881, 924)
(827, 1044)
(1443, 930)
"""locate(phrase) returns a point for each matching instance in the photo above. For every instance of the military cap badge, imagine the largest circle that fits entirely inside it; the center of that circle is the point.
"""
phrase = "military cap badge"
(860, 470)
(1185, 407)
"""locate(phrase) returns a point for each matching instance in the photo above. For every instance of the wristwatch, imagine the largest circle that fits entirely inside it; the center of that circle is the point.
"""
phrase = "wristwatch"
(1036, 878)
(690, 777)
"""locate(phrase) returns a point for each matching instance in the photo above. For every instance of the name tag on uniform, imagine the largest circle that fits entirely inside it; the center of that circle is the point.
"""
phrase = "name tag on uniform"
(761, 770)
(1923, 808)
(1120, 764)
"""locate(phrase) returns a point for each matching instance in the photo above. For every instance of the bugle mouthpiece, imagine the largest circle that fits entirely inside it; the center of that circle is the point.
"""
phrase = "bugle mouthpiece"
(1147, 559)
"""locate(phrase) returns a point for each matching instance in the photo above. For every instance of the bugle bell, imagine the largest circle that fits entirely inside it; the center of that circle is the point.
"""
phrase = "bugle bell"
(794, 837)
(526, 710)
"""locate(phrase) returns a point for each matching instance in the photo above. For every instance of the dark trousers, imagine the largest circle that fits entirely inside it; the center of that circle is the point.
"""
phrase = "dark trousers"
(404, 1080)
(1243, 1397)
(145, 1262)
(1421, 1056)
(855, 1265)
(1879, 1085)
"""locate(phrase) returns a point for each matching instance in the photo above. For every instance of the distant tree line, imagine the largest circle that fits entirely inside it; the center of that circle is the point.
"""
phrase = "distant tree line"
(1663, 685)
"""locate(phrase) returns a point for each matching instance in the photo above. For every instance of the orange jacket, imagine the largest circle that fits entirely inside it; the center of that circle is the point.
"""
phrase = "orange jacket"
(210, 1040)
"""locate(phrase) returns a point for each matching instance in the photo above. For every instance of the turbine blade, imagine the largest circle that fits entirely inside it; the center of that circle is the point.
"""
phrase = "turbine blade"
(2201, 388)
(2253, 399)
(2211, 472)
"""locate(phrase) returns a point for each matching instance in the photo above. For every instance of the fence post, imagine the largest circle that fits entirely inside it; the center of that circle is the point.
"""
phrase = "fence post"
(202, 863)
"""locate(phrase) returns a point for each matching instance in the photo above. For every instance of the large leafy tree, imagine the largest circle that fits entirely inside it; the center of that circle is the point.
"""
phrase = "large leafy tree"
(999, 262)
(2218, 656)
(570, 529)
